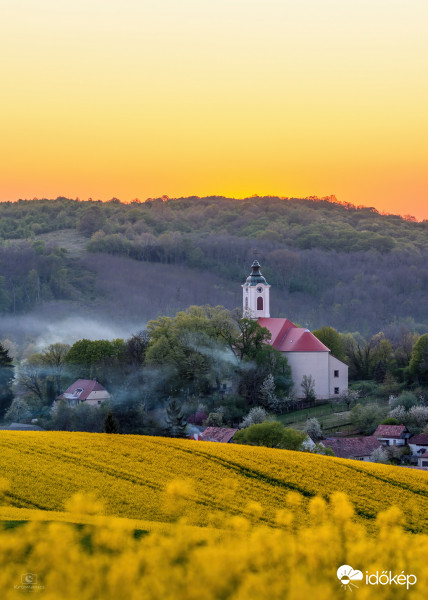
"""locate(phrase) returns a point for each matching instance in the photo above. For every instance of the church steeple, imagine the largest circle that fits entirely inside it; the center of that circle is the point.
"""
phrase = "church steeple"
(255, 294)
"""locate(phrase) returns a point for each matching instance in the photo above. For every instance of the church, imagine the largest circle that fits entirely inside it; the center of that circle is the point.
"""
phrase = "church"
(305, 353)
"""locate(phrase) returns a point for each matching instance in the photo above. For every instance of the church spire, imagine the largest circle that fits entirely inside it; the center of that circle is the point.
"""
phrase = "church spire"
(255, 299)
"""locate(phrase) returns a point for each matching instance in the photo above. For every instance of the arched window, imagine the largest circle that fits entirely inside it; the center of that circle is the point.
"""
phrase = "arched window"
(259, 303)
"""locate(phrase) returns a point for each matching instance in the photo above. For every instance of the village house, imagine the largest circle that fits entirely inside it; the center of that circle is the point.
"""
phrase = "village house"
(305, 353)
(359, 448)
(423, 460)
(216, 434)
(392, 435)
(418, 444)
(88, 391)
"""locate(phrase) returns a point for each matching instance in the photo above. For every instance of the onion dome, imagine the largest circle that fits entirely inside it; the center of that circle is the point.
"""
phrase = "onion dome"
(256, 277)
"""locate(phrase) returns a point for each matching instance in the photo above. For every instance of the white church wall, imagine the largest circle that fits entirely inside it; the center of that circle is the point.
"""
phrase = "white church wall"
(338, 376)
(310, 363)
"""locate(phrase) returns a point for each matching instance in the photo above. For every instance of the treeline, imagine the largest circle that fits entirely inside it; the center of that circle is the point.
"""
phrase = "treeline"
(295, 222)
(330, 263)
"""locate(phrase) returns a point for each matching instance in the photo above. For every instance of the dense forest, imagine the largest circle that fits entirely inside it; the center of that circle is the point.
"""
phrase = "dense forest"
(329, 263)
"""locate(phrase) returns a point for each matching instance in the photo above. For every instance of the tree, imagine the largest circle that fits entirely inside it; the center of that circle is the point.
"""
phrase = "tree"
(53, 357)
(313, 429)
(110, 424)
(6, 378)
(333, 340)
(367, 418)
(308, 388)
(348, 397)
(176, 423)
(405, 399)
(418, 366)
(256, 415)
(18, 411)
(271, 434)
(379, 456)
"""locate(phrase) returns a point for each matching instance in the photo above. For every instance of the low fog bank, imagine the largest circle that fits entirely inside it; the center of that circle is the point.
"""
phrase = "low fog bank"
(56, 322)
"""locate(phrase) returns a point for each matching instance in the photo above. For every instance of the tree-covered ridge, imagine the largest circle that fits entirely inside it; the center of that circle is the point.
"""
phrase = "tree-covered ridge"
(330, 264)
(298, 223)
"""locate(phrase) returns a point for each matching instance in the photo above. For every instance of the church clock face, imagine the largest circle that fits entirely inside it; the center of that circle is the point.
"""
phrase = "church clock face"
(260, 289)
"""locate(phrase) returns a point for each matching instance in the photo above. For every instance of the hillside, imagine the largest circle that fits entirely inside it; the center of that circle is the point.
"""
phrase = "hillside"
(186, 520)
(328, 263)
(130, 474)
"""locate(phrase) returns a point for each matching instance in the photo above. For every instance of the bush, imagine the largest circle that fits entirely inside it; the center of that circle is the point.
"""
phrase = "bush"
(271, 434)
(313, 429)
(405, 399)
(367, 417)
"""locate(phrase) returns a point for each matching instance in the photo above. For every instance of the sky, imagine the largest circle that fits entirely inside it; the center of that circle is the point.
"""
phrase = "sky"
(141, 98)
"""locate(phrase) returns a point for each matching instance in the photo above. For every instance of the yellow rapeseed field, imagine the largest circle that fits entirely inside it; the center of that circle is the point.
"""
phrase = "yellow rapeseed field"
(93, 516)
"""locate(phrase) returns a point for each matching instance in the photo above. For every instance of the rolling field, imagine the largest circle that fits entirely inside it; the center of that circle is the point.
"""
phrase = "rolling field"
(106, 516)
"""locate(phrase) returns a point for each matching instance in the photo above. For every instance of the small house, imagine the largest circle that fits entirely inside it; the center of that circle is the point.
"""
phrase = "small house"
(88, 391)
(392, 435)
(217, 434)
(359, 448)
(418, 444)
(423, 459)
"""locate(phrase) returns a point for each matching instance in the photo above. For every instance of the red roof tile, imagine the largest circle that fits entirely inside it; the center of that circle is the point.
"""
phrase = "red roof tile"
(421, 439)
(86, 385)
(286, 337)
(350, 447)
(218, 434)
(424, 455)
(390, 431)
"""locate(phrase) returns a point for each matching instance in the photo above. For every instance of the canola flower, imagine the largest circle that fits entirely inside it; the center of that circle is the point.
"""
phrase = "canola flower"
(243, 559)
(131, 474)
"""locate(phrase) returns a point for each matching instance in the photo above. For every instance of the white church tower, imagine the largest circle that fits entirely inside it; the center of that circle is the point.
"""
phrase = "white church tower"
(255, 294)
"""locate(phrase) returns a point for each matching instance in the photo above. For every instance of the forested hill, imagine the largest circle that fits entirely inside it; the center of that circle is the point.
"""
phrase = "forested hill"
(330, 263)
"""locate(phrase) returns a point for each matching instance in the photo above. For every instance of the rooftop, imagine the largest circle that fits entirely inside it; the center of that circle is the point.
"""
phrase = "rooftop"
(352, 447)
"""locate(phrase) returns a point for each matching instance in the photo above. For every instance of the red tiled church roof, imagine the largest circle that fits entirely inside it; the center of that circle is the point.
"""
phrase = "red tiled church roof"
(286, 337)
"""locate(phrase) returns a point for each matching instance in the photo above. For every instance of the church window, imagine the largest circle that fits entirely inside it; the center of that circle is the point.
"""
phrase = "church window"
(259, 303)
(336, 373)
(336, 390)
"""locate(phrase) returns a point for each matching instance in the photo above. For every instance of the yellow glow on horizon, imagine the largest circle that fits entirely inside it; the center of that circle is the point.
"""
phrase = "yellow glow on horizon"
(102, 98)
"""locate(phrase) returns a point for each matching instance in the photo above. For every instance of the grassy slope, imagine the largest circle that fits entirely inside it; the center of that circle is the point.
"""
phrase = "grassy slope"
(130, 474)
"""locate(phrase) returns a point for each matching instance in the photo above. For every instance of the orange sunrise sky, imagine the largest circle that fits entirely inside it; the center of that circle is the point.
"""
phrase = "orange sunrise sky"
(140, 98)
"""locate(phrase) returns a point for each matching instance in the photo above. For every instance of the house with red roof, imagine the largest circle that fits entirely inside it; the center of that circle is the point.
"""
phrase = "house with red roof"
(359, 448)
(392, 435)
(305, 353)
(418, 444)
(216, 434)
(88, 391)
(423, 460)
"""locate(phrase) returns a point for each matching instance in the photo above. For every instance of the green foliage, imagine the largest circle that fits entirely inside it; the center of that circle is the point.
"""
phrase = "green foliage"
(418, 366)
(390, 421)
(271, 434)
(333, 340)
(406, 399)
(6, 378)
(367, 417)
(175, 421)
(110, 424)
(94, 359)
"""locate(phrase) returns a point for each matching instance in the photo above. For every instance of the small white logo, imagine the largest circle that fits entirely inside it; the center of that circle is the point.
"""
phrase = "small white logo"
(29, 583)
(347, 575)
